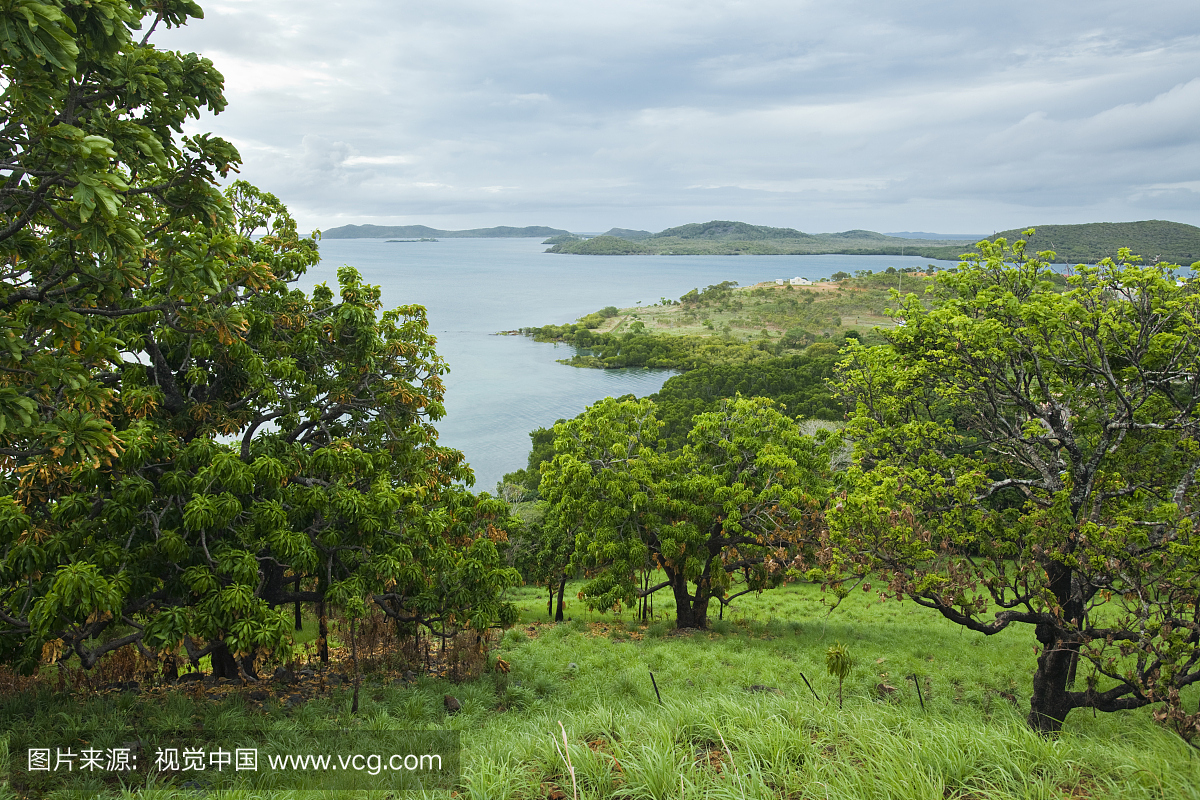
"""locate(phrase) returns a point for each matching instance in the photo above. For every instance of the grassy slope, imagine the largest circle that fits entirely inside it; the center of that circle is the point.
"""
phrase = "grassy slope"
(823, 308)
(970, 742)
(724, 326)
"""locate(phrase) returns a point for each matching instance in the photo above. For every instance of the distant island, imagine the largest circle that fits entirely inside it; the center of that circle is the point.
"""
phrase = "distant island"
(974, 237)
(1152, 239)
(423, 232)
(722, 237)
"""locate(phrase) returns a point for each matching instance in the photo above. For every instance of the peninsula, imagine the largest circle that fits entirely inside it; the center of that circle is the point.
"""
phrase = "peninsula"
(725, 323)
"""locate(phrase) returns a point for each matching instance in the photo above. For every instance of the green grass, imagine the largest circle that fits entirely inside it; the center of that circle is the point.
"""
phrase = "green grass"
(823, 308)
(771, 638)
(716, 735)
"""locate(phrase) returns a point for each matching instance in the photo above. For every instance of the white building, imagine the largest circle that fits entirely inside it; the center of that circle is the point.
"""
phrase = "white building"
(801, 282)
(780, 281)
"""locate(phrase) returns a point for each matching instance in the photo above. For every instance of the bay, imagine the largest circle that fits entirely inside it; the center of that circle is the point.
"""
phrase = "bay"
(501, 387)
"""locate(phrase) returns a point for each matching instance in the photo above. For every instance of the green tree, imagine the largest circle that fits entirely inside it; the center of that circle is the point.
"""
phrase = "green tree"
(107, 219)
(187, 443)
(91, 165)
(526, 480)
(545, 551)
(555, 538)
(738, 502)
(1028, 455)
(798, 384)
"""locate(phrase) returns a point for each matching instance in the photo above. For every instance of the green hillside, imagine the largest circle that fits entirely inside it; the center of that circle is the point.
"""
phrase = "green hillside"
(1153, 239)
(726, 324)
(563, 238)
(603, 246)
(724, 237)
(631, 235)
(729, 231)
(416, 231)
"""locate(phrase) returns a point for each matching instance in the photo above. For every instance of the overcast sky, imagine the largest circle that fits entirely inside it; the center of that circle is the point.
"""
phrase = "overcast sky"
(954, 117)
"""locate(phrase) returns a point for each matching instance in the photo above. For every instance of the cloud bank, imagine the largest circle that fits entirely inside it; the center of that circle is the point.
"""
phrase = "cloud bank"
(945, 116)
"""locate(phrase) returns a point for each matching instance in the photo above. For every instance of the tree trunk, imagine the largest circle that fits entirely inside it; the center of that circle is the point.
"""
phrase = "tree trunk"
(323, 633)
(224, 665)
(248, 668)
(354, 664)
(272, 573)
(1051, 701)
(690, 612)
(562, 586)
(700, 608)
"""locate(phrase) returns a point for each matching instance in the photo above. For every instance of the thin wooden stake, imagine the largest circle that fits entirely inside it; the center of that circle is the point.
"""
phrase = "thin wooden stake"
(656, 694)
(917, 683)
(810, 688)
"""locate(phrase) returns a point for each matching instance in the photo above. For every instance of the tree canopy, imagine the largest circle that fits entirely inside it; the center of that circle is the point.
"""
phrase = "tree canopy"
(738, 502)
(1028, 455)
(185, 442)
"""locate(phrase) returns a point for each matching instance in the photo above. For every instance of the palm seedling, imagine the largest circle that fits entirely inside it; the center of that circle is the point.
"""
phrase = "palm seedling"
(838, 663)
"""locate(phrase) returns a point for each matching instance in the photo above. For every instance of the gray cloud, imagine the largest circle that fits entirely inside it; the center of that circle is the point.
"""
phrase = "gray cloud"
(943, 116)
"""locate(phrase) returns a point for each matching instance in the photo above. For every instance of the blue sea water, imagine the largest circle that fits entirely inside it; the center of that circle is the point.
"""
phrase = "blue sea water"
(501, 387)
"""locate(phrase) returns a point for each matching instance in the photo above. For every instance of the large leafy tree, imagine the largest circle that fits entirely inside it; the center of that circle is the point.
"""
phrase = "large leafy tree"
(732, 508)
(188, 443)
(1028, 455)
(98, 194)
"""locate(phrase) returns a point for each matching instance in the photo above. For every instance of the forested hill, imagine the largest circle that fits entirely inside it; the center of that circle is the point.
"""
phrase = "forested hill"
(723, 231)
(723, 237)
(414, 231)
(1153, 239)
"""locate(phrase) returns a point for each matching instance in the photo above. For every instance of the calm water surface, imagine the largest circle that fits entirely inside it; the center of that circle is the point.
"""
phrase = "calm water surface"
(501, 387)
